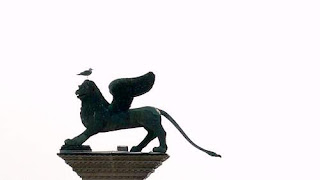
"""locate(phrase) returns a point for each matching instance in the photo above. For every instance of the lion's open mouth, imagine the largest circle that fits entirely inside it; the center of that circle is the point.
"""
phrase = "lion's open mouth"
(81, 95)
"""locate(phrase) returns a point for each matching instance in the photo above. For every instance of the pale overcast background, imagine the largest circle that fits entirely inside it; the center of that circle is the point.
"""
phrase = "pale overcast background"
(240, 77)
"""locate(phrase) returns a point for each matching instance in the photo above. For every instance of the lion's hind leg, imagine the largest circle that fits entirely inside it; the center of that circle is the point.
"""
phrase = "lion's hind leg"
(161, 134)
(150, 136)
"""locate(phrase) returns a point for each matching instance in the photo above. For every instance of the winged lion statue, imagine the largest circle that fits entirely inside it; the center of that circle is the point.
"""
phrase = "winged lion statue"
(98, 115)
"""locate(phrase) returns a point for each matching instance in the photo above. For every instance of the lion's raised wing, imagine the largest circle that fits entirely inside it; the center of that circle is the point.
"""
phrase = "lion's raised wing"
(125, 89)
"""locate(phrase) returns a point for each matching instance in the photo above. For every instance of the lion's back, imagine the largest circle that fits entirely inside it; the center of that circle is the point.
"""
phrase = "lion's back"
(144, 113)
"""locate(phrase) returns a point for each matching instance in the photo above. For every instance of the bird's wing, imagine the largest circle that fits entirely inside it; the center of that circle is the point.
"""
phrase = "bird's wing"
(85, 73)
(125, 89)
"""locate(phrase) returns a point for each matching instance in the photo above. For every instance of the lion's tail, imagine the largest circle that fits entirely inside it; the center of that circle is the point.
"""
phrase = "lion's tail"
(165, 114)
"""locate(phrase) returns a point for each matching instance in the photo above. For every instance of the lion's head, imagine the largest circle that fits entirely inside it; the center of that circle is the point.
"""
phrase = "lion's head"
(88, 89)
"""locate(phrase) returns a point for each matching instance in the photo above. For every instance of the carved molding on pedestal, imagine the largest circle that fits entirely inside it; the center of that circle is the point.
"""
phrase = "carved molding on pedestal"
(113, 165)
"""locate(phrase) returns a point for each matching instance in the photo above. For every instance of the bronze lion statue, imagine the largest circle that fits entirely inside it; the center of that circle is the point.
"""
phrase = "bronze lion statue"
(97, 115)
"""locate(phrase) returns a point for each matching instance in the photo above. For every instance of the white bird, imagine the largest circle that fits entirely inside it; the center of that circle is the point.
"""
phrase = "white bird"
(86, 72)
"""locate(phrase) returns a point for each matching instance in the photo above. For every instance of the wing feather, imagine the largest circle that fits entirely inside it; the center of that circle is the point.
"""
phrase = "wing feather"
(125, 89)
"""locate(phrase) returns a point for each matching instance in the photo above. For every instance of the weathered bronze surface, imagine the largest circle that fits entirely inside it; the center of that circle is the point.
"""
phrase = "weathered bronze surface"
(98, 115)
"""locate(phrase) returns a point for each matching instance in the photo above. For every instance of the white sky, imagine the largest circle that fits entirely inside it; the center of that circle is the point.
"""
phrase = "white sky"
(240, 77)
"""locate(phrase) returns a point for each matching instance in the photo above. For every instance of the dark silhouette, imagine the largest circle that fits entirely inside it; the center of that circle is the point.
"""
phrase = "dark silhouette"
(98, 115)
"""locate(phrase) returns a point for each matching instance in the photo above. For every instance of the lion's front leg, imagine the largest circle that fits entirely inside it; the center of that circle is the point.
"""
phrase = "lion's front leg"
(79, 140)
(76, 141)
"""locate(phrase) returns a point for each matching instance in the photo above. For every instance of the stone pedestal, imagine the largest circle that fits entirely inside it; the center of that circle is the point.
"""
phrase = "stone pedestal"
(113, 165)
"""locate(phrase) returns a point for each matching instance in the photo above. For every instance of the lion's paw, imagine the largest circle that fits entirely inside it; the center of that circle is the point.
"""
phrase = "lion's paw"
(70, 142)
(135, 149)
(160, 149)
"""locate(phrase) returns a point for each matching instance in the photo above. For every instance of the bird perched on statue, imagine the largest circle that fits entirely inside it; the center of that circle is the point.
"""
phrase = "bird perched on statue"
(86, 72)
